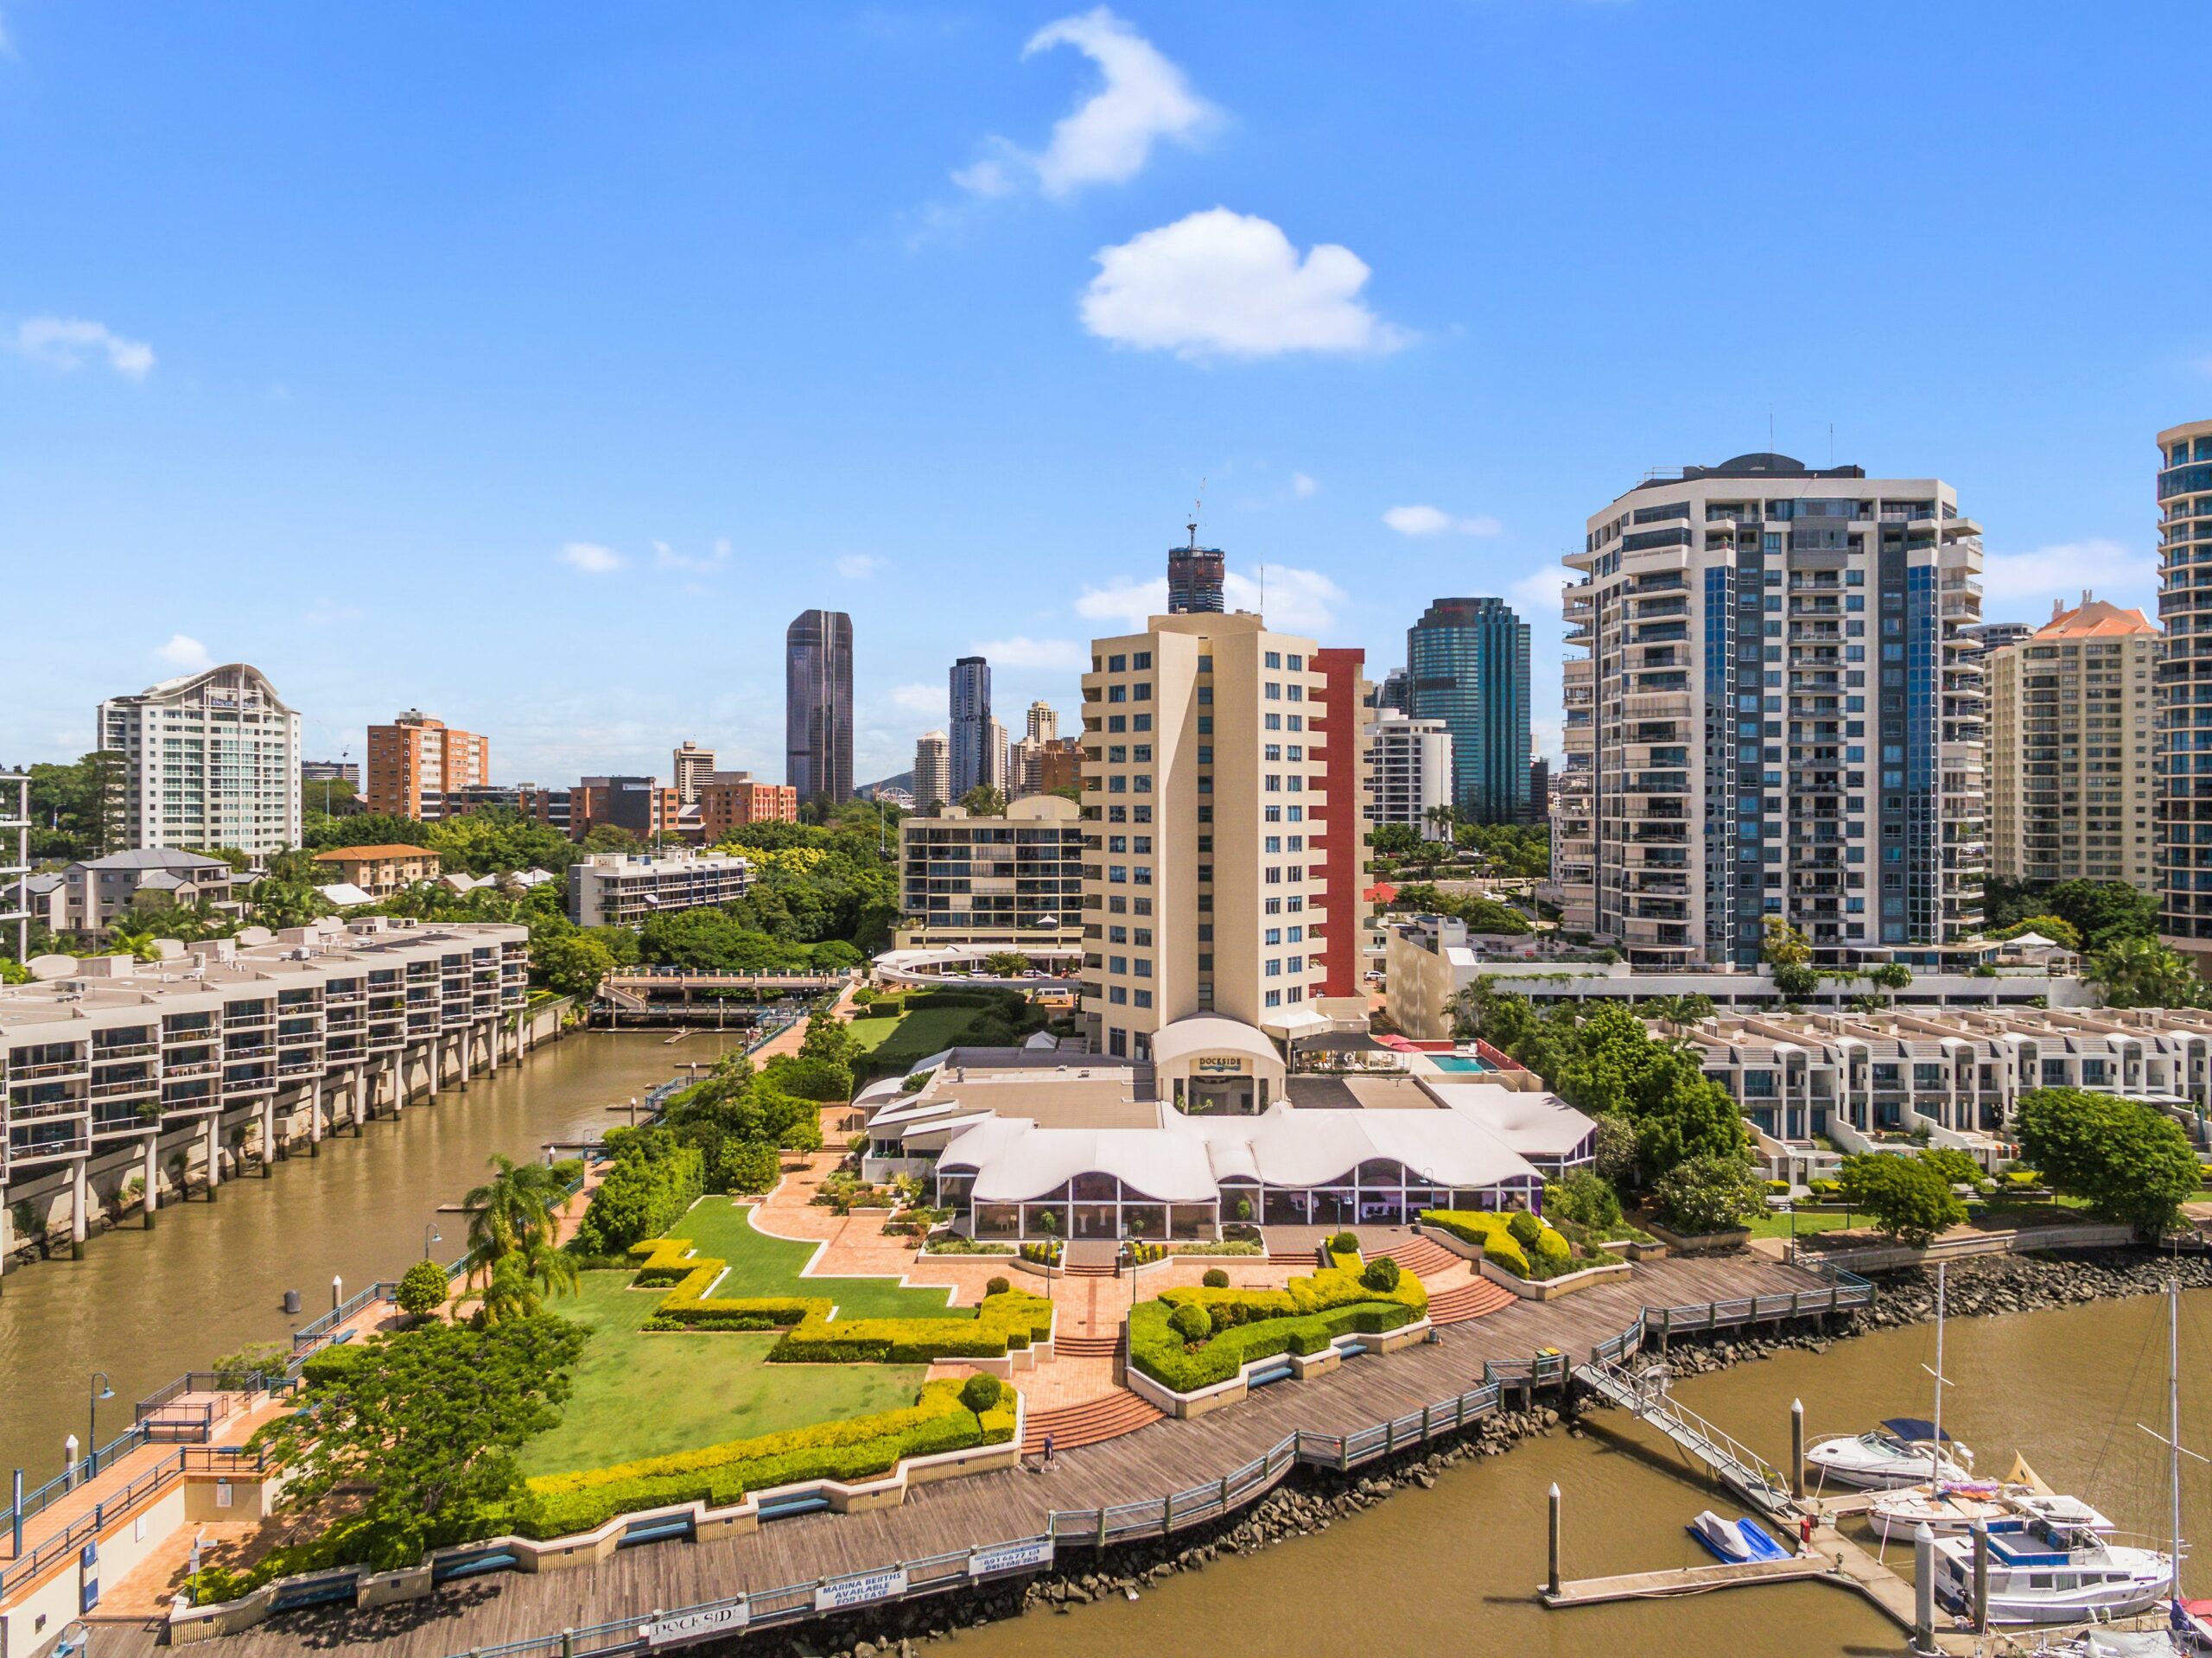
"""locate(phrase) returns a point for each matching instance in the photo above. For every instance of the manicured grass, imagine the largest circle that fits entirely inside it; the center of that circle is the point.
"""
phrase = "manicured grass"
(761, 1265)
(647, 1395)
(1774, 1225)
(921, 1033)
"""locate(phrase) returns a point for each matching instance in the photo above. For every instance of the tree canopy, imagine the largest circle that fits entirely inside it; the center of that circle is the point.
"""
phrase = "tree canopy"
(2130, 1163)
(1909, 1197)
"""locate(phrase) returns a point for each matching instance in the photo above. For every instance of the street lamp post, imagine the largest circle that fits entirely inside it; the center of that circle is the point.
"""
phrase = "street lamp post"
(100, 1390)
(431, 1235)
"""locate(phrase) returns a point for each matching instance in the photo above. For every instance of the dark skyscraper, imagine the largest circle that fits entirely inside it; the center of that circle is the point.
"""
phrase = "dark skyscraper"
(1195, 578)
(1467, 664)
(818, 705)
(972, 761)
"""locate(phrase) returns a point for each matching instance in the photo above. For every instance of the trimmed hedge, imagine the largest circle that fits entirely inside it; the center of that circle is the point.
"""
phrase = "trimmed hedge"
(1488, 1228)
(1013, 1319)
(1303, 1317)
(858, 1448)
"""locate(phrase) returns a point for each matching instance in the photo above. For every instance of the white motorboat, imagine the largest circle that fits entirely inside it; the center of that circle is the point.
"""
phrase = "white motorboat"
(1950, 1509)
(1734, 1541)
(1904, 1451)
(2050, 1572)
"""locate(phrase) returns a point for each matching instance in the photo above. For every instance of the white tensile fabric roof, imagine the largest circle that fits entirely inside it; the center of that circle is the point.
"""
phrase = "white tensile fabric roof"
(1014, 1159)
(1535, 1125)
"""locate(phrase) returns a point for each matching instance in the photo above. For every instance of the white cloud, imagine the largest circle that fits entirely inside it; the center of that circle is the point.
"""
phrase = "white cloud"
(1436, 521)
(920, 699)
(1540, 597)
(1129, 603)
(1224, 285)
(1303, 486)
(1109, 137)
(1297, 601)
(859, 567)
(184, 651)
(1049, 656)
(2115, 572)
(665, 557)
(591, 558)
(68, 342)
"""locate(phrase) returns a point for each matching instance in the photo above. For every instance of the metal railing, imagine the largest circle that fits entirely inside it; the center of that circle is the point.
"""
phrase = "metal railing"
(115, 1505)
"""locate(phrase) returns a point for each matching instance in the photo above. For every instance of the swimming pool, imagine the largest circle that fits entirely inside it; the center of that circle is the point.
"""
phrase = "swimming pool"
(1461, 1061)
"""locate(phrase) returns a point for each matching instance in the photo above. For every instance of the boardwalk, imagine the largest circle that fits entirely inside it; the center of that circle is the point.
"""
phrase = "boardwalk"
(1166, 1456)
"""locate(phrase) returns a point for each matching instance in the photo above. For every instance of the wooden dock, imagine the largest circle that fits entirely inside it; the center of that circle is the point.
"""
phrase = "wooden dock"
(1685, 1580)
(1124, 1477)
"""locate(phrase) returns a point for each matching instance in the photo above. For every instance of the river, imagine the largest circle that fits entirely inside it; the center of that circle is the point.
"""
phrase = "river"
(210, 1278)
(1453, 1569)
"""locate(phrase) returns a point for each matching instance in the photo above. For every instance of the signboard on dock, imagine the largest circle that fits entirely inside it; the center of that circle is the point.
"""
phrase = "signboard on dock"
(861, 1589)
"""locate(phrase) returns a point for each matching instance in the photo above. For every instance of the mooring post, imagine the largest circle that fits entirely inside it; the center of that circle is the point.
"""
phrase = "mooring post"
(1797, 1448)
(1982, 1577)
(1551, 1582)
(1924, 1588)
(567, 1643)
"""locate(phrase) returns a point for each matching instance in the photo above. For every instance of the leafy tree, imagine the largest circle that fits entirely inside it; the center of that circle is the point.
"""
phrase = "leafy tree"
(1615, 1150)
(981, 1392)
(1006, 963)
(2057, 929)
(1891, 975)
(1784, 946)
(2130, 1163)
(422, 1289)
(1958, 1168)
(367, 829)
(1707, 1194)
(571, 963)
(1584, 1199)
(653, 1178)
(1908, 1196)
(2137, 972)
(1794, 981)
(747, 1165)
(1395, 839)
(831, 1040)
(496, 839)
(984, 801)
(421, 1432)
(76, 809)
(509, 1211)
(610, 837)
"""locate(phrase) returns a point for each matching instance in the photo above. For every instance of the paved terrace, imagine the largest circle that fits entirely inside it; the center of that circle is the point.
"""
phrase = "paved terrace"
(1169, 1456)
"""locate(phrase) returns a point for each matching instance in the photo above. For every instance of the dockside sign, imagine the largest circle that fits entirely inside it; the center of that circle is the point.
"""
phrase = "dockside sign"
(700, 1623)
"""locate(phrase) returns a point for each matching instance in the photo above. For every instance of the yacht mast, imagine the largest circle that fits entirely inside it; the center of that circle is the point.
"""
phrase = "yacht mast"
(2173, 1415)
(1936, 1444)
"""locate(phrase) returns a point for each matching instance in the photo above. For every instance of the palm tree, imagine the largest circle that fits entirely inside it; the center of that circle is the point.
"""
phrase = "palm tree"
(2143, 973)
(554, 1270)
(134, 942)
(507, 1212)
(509, 1293)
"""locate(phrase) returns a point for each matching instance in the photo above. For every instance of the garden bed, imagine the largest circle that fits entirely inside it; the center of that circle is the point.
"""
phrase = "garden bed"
(1700, 1243)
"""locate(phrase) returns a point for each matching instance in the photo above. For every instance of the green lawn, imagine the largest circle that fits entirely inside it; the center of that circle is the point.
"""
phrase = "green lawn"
(1776, 1225)
(639, 1394)
(921, 1033)
(761, 1265)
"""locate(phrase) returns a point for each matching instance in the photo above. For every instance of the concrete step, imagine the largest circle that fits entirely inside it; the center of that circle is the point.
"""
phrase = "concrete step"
(1088, 1423)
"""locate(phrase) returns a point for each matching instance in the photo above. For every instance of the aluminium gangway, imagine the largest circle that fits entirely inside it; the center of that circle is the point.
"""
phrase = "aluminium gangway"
(1644, 1395)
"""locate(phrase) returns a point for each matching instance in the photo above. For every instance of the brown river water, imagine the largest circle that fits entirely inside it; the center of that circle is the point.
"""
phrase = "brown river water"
(1454, 1570)
(210, 1278)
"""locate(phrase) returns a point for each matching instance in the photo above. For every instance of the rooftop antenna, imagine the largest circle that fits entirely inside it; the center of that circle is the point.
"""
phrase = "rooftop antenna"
(1195, 506)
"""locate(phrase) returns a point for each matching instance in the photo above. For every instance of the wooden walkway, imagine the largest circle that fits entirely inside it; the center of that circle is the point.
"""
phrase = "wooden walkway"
(1169, 1456)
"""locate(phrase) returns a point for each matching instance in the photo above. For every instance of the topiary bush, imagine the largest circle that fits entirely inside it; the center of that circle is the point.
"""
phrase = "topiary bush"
(422, 1289)
(1192, 1324)
(1344, 1243)
(980, 1392)
(1381, 1274)
(1215, 1278)
(1525, 1228)
(997, 1286)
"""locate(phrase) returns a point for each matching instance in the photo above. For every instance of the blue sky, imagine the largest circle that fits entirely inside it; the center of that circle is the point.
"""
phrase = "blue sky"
(535, 365)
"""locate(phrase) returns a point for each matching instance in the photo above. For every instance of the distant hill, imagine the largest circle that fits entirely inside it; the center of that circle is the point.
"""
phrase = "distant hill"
(903, 780)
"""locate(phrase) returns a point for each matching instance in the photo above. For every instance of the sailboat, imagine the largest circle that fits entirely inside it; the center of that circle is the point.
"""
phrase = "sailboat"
(2056, 1567)
(1892, 1456)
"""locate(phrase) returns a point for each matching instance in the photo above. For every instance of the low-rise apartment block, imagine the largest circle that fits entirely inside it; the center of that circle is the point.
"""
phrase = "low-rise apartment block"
(616, 889)
(729, 800)
(111, 1067)
(92, 896)
(379, 870)
(416, 761)
(1013, 880)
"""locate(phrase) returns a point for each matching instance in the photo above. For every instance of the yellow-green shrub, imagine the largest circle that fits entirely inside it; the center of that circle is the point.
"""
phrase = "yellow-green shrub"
(1488, 1228)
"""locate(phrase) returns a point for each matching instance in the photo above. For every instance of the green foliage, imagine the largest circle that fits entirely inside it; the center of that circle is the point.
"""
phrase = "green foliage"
(2128, 1162)
(996, 1287)
(420, 1430)
(2139, 972)
(1584, 1199)
(1215, 1278)
(654, 1178)
(981, 1392)
(1395, 839)
(854, 1449)
(256, 1364)
(1793, 982)
(1248, 1323)
(2101, 912)
(1501, 1241)
(495, 840)
(1381, 1274)
(1956, 1167)
(367, 829)
(1480, 914)
(76, 809)
(1518, 851)
(572, 963)
(984, 801)
(1783, 945)
(1907, 1197)
(512, 1210)
(1891, 975)
(1708, 1193)
(1191, 1323)
(1525, 1228)
(2056, 928)
(746, 1165)
(1344, 1243)
(422, 1289)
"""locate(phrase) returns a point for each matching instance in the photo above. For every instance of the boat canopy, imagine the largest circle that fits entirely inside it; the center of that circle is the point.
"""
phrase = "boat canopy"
(1915, 1430)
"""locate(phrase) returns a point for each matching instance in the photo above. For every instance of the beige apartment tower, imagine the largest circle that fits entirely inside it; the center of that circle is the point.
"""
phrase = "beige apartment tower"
(932, 771)
(1202, 892)
(2073, 736)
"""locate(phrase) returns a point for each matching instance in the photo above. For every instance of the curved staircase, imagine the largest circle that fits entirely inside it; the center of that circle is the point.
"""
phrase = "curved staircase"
(1421, 1256)
(1469, 1300)
(1087, 1347)
(1117, 1412)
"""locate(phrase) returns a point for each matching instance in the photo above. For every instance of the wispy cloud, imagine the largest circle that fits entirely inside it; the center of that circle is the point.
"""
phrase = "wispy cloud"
(1050, 655)
(665, 557)
(2122, 574)
(1108, 139)
(859, 567)
(920, 699)
(1436, 521)
(591, 558)
(1540, 597)
(71, 342)
(1303, 486)
(183, 652)
(1219, 283)
(1295, 601)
